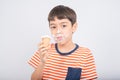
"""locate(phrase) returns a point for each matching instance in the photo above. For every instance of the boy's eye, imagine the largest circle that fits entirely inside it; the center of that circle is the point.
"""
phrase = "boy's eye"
(52, 27)
(64, 26)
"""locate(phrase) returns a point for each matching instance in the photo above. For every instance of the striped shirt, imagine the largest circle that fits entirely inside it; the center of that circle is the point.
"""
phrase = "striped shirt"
(57, 64)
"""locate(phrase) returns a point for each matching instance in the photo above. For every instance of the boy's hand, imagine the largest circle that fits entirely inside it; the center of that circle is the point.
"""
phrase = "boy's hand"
(43, 52)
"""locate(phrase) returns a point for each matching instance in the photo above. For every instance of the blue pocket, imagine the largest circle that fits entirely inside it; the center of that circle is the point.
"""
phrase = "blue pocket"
(73, 73)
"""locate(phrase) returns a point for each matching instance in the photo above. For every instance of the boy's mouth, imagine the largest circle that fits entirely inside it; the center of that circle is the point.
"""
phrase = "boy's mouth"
(59, 38)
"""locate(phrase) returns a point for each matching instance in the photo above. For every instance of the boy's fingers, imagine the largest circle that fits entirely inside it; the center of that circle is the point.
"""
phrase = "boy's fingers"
(43, 55)
(40, 44)
(40, 47)
(42, 51)
(48, 46)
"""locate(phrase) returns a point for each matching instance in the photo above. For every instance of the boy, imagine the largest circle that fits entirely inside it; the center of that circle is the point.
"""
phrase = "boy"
(63, 60)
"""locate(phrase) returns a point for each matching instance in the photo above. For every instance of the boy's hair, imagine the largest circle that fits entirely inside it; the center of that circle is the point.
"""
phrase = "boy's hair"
(62, 12)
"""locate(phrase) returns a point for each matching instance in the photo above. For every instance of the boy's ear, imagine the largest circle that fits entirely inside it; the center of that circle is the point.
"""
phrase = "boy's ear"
(75, 25)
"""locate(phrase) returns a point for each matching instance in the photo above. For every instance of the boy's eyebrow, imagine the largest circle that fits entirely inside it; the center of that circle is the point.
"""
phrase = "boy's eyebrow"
(60, 23)
(52, 24)
(64, 22)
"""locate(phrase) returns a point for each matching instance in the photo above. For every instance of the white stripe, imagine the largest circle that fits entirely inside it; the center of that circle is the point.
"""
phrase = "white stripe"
(62, 72)
(90, 77)
(89, 72)
(64, 58)
(35, 60)
(36, 57)
(53, 77)
(58, 77)
(90, 65)
(56, 68)
(31, 63)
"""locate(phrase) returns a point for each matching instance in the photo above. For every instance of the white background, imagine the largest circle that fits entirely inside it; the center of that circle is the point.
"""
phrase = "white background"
(23, 22)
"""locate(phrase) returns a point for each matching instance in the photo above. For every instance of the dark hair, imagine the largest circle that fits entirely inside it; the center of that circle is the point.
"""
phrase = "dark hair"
(62, 12)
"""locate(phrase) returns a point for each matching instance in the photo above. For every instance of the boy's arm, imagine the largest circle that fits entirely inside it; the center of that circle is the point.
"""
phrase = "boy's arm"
(38, 61)
(37, 74)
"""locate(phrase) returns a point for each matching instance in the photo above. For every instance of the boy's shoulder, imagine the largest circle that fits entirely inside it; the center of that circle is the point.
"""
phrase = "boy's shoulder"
(84, 49)
(81, 47)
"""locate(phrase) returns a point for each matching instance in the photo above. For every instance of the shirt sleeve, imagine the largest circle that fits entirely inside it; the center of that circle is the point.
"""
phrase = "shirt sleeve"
(89, 69)
(34, 60)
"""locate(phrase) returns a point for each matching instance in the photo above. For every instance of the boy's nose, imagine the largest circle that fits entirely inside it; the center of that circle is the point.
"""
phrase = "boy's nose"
(58, 30)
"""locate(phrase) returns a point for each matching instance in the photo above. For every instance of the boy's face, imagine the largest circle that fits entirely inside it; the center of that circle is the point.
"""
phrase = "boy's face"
(62, 30)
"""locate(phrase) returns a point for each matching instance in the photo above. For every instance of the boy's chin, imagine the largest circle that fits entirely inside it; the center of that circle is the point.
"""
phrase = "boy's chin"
(60, 42)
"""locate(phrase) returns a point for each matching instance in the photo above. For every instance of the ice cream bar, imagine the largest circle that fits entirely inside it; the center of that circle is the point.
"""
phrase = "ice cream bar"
(45, 40)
